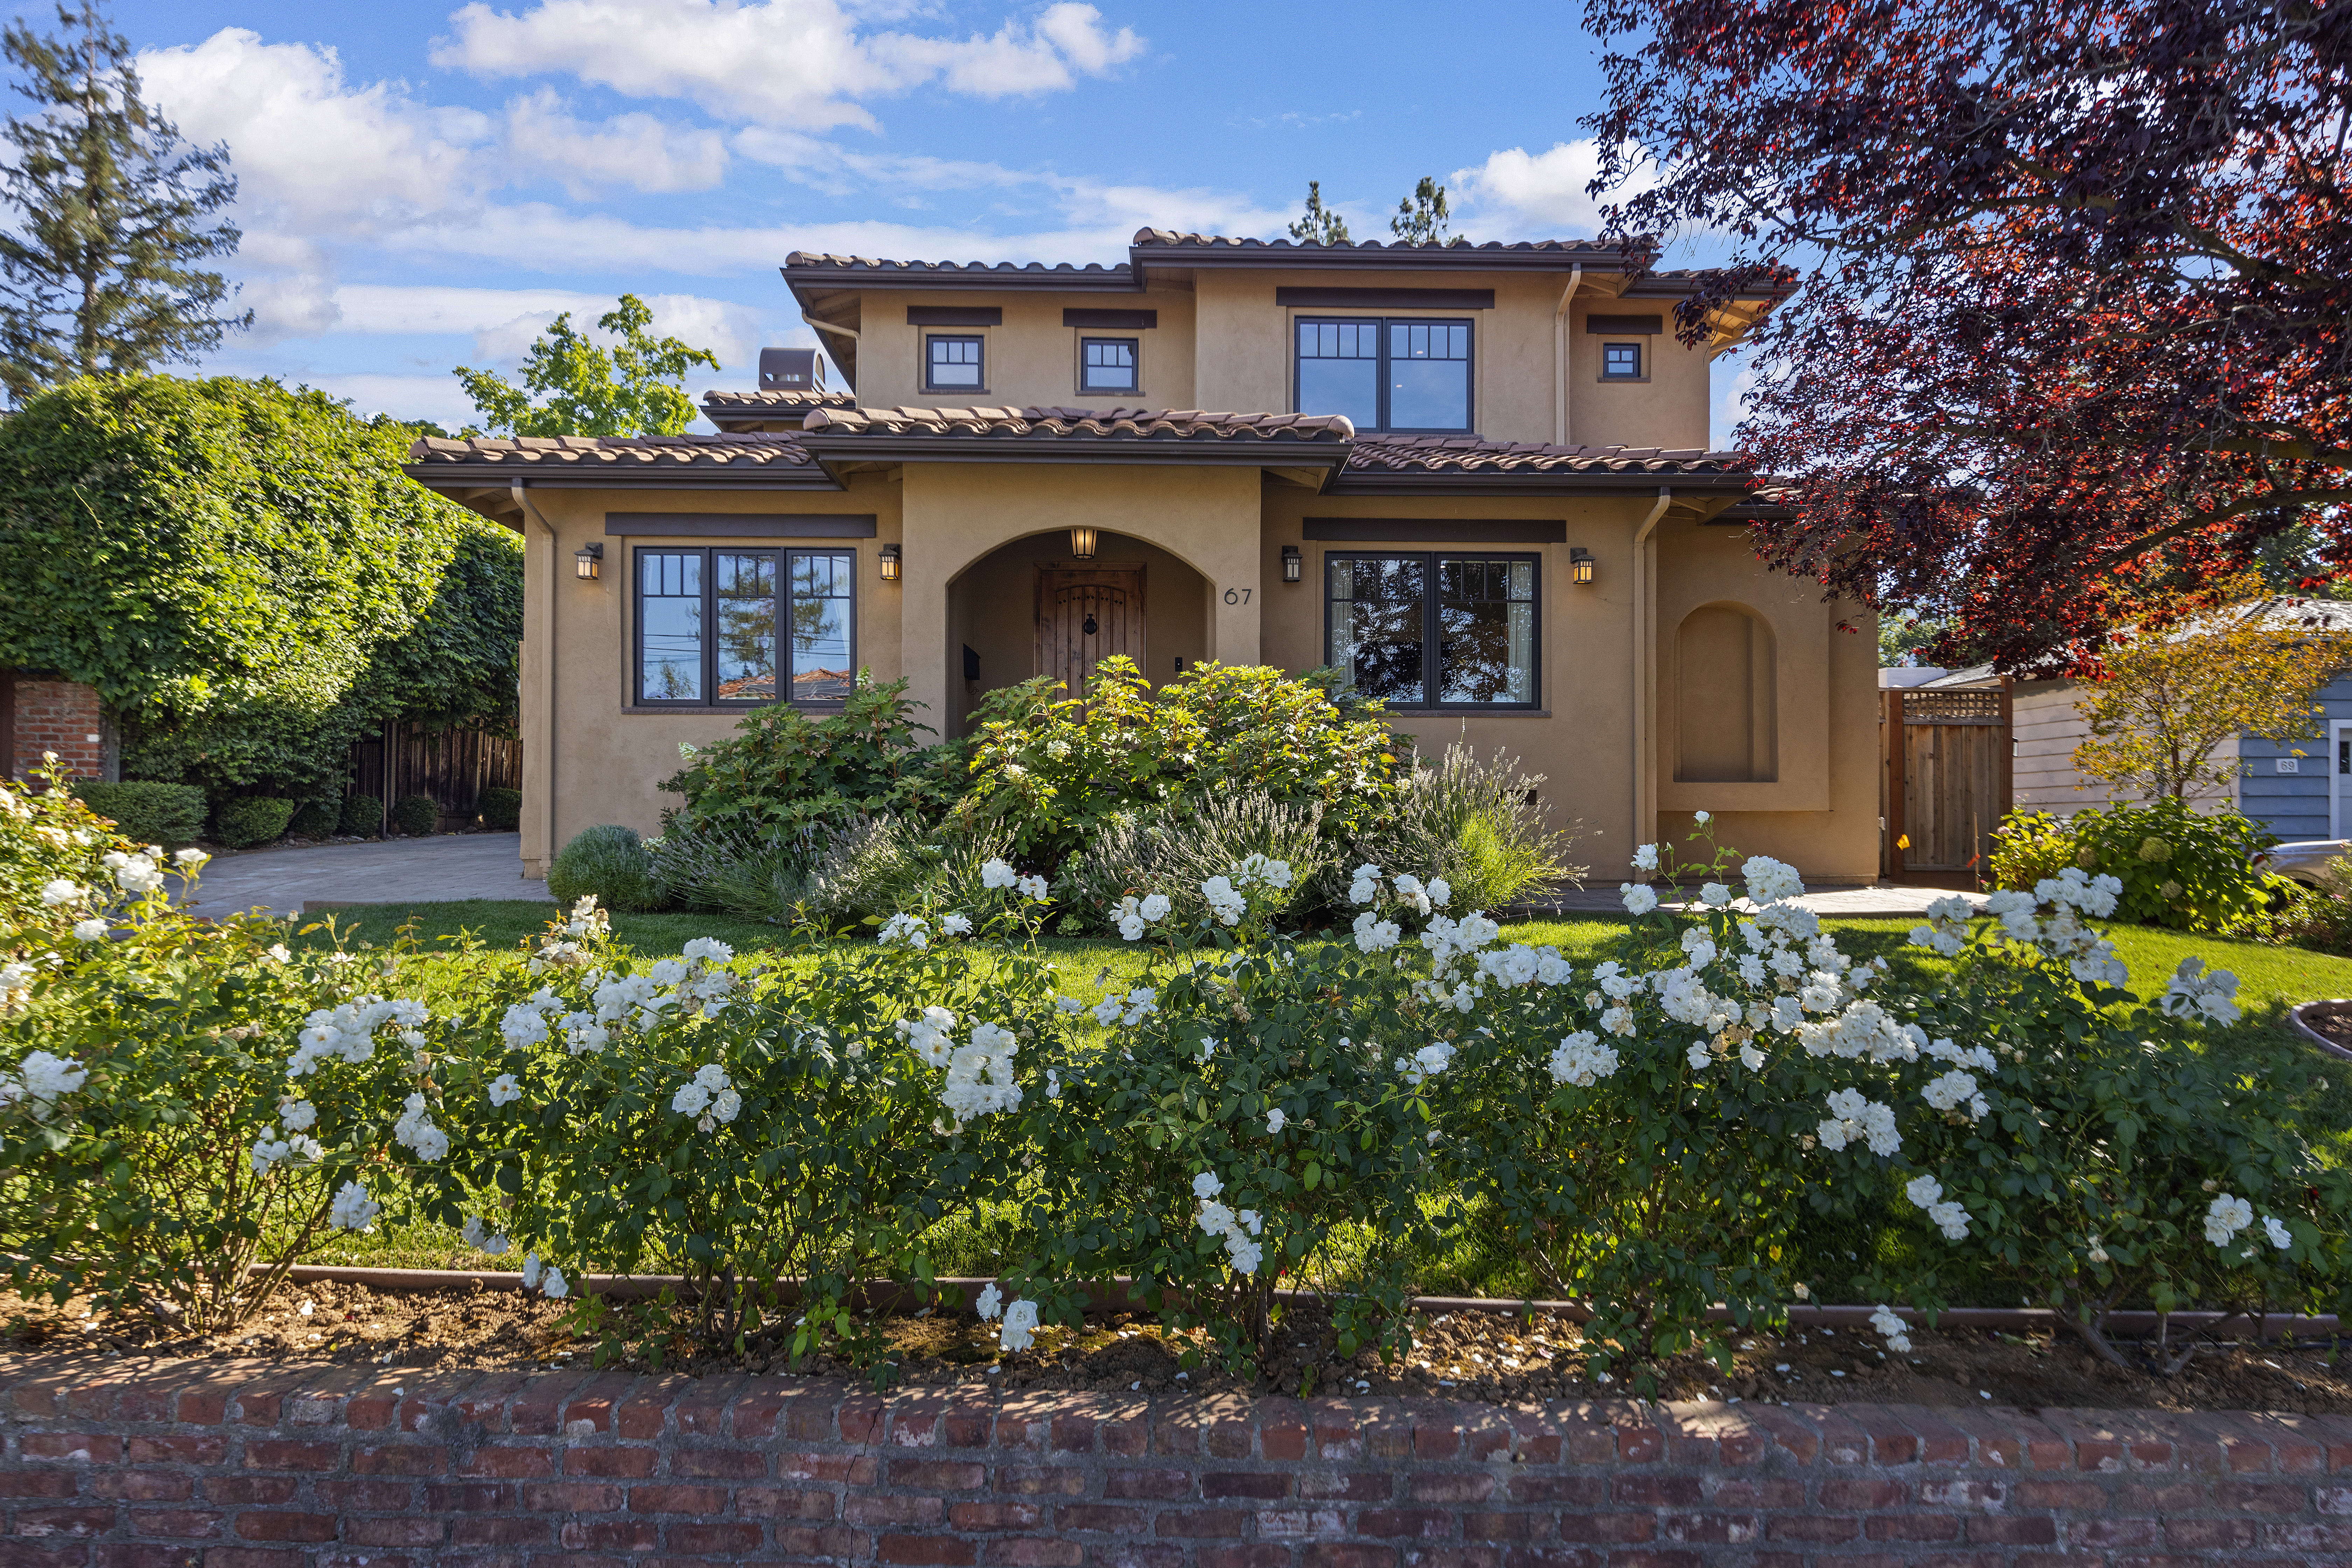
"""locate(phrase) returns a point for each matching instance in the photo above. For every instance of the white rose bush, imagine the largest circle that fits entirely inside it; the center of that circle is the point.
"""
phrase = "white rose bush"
(1664, 1136)
(187, 1107)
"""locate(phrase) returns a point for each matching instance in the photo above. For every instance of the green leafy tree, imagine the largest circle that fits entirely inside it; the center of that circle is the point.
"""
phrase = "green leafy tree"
(99, 266)
(1422, 216)
(1318, 224)
(630, 389)
(246, 576)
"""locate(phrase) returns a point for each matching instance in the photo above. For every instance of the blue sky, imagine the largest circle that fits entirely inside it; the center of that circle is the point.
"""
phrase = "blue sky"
(425, 186)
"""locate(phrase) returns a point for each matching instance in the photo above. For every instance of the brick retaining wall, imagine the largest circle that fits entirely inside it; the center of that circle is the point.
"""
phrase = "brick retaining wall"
(246, 1466)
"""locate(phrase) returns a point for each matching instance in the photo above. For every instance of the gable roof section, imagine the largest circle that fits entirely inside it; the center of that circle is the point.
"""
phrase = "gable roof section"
(1324, 449)
(744, 412)
(1047, 434)
(761, 461)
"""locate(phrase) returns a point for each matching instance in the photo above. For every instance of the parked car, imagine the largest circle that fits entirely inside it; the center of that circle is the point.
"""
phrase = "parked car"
(2306, 861)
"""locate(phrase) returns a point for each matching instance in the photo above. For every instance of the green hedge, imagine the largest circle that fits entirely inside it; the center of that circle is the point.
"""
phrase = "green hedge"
(609, 862)
(501, 809)
(415, 815)
(167, 814)
(246, 575)
(251, 819)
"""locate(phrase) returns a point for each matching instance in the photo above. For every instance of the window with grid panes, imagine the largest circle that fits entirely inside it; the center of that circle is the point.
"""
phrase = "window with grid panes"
(1107, 365)
(1436, 629)
(723, 627)
(952, 362)
(1384, 373)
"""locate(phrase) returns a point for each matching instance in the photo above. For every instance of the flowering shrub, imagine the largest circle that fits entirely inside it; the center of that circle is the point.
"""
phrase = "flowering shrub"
(179, 1099)
(1053, 773)
(740, 1128)
(2173, 865)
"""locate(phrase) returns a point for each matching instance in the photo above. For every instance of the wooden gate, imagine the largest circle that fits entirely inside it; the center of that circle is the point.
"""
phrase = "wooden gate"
(1944, 778)
(1085, 615)
(453, 766)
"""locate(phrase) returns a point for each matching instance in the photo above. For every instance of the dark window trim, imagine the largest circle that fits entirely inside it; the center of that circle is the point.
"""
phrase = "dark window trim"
(739, 525)
(1641, 372)
(1112, 321)
(1623, 326)
(1386, 299)
(1134, 345)
(1381, 377)
(1472, 533)
(955, 315)
(931, 338)
(1430, 652)
(639, 702)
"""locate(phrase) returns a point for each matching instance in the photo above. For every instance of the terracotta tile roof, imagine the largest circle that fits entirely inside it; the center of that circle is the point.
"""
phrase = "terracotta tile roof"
(980, 272)
(1571, 250)
(1127, 424)
(619, 455)
(789, 401)
(1439, 454)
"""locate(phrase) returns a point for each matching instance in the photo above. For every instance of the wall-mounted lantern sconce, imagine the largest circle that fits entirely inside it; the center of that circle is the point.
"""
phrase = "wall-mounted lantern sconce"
(1292, 564)
(1082, 543)
(588, 561)
(889, 564)
(1580, 566)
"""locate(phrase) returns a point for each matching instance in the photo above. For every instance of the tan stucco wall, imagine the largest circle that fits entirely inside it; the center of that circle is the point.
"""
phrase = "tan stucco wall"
(1821, 813)
(1031, 360)
(1670, 408)
(1581, 739)
(1223, 343)
(608, 759)
(956, 513)
(1203, 532)
(992, 609)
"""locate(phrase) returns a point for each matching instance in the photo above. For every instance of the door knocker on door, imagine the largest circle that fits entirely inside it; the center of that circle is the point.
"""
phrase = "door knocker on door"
(1092, 626)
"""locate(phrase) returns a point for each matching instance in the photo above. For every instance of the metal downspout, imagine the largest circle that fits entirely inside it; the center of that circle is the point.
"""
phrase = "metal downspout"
(1646, 666)
(1560, 359)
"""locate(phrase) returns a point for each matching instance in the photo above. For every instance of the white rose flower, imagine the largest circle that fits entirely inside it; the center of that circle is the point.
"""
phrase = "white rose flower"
(89, 930)
(504, 1090)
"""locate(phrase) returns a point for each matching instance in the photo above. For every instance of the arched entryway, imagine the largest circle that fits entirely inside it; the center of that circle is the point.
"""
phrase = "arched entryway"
(1032, 608)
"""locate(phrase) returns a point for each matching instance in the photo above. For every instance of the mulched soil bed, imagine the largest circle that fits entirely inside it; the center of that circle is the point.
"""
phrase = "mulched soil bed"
(1483, 1356)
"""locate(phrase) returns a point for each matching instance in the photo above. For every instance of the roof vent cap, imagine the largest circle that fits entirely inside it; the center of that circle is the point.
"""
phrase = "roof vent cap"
(791, 370)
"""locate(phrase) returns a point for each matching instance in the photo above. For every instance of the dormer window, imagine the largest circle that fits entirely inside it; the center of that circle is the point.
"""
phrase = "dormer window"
(1620, 361)
(1107, 365)
(952, 363)
(1385, 373)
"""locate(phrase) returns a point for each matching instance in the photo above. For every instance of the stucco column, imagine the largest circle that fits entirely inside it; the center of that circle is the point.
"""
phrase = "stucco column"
(933, 553)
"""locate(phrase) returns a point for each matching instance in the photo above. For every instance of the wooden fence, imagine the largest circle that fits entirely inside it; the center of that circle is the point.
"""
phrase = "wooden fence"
(1945, 779)
(453, 766)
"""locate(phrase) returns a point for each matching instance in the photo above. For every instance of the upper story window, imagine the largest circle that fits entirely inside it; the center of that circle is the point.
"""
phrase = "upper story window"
(1107, 365)
(1422, 629)
(1386, 374)
(953, 364)
(744, 626)
(1620, 361)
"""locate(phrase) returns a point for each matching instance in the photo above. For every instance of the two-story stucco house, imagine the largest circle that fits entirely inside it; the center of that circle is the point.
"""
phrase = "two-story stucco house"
(1473, 476)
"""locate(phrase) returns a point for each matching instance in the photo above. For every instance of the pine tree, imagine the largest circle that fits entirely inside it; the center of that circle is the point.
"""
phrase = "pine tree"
(98, 273)
(1321, 225)
(1421, 218)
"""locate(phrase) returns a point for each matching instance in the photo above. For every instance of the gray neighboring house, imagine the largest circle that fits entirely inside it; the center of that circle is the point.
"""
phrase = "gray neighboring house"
(2301, 790)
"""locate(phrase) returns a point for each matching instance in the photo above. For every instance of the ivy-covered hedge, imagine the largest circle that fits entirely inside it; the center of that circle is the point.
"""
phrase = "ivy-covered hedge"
(247, 578)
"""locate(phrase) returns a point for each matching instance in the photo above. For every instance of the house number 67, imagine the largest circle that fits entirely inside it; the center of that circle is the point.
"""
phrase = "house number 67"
(1238, 595)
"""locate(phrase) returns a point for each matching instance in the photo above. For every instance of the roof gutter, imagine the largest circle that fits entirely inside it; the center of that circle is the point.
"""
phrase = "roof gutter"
(1222, 453)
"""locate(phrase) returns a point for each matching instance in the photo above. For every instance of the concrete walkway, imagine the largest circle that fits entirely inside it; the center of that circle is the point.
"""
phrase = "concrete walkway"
(393, 871)
(1843, 903)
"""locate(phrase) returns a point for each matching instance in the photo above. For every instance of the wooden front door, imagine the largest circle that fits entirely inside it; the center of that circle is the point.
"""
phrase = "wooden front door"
(1085, 615)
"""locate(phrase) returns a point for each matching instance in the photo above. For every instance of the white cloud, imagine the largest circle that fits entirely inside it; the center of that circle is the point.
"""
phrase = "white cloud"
(503, 321)
(1731, 395)
(436, 397)
(1516, 195)
(637, 151)
(799, 62)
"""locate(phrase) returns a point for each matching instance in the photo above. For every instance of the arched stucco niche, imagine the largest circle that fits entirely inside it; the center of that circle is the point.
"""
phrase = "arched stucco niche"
(1725, 680)
(994, 610)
